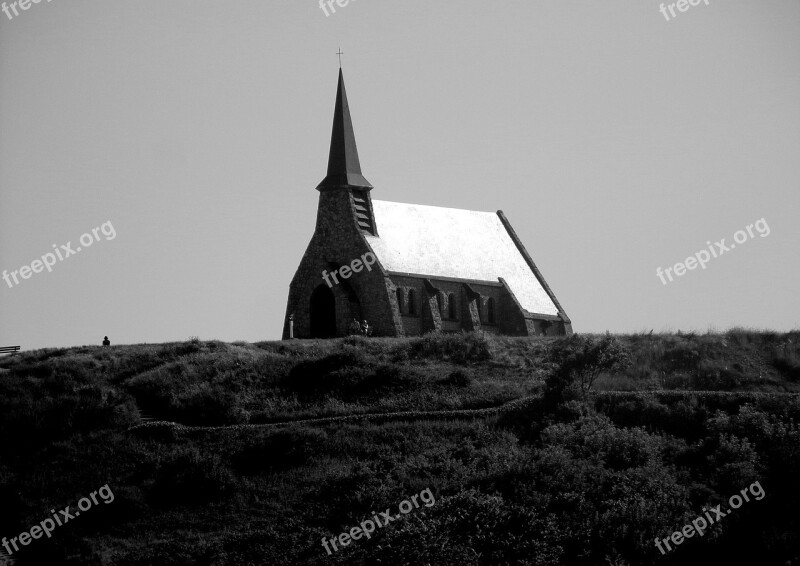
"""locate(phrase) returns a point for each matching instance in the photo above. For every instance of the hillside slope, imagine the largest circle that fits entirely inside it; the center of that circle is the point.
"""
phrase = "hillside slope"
(517, 479)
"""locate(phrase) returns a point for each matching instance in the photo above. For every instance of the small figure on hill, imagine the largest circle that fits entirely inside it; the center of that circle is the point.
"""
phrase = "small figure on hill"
(355, 328)
(365, 328)
(106, 341)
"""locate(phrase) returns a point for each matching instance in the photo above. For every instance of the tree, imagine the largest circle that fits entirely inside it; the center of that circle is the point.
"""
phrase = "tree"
(579, 360)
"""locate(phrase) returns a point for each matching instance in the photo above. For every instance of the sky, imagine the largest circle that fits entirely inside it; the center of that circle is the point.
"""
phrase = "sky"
(616, 139)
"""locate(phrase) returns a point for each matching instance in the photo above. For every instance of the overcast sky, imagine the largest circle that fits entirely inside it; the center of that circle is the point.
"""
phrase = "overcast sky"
(615, 141)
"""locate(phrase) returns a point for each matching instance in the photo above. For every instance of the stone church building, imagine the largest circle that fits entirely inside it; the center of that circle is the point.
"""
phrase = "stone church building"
(433, 268)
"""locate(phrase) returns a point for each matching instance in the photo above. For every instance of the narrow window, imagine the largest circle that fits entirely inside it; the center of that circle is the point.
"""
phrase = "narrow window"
(412, 307)
(451, 306)
(439, 304)
(490, 311)
(399, 293)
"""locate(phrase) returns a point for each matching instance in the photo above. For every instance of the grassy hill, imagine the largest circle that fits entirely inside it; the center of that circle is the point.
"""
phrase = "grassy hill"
(197, 442)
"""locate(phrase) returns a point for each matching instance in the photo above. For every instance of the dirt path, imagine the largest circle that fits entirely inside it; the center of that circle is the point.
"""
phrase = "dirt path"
(368, 417)
(412, 415)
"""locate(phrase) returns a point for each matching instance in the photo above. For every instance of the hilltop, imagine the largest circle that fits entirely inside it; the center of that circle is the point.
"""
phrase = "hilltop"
(521, 475)
(215, 383)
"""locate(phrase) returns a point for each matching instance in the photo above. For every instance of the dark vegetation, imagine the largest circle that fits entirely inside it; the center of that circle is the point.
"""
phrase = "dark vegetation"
(622, 439)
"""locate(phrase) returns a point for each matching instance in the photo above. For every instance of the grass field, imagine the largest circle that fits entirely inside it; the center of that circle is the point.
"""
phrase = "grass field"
(579, 479)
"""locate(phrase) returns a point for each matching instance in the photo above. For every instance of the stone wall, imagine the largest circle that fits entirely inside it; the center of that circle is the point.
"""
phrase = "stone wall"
(470, 300)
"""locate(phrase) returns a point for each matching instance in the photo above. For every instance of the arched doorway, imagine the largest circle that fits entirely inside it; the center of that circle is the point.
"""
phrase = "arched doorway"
(323, 313)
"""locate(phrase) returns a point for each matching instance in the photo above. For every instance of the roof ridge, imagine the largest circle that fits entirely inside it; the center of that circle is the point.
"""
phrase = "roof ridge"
(434, 206)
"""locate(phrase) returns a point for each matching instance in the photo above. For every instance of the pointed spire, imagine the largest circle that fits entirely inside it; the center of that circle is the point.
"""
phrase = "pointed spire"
(344, 170)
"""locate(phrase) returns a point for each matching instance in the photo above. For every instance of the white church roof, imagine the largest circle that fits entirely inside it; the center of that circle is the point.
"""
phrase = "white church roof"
(448, 242)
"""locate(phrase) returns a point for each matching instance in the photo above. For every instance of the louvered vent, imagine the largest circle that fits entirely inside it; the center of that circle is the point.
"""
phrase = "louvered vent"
(363, 213)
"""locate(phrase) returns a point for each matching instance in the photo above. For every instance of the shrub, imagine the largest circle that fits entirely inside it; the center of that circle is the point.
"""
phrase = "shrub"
(734, 463)
(681, 415)
(579, 360)
(36, 370)
(134, 361)
(458, 378)
(786, 359)
(463, 529)
(759, 426)
(526, 420)
(55, 408)
(596, 438)
(176, 350)
(681, 356)
(280, 449)
(189, 477)
(327, 374)
(211, 405)
(349, 374)
(712, 376)
(461, 348)
(193, 392)
(155, 390)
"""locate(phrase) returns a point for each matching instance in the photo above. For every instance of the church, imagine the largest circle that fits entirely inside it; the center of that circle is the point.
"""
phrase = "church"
(427, 268)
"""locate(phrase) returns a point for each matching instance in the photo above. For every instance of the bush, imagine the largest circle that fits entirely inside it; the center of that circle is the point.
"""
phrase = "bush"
(579, 360)
(464, 529)
(734, 463)
(282, 449)
(461, 348)
(192, 393)
(713, 376)
(786, 359)
(682, 357)
(327, 374)
(596, 438)
(458, 378)
(189, 477)
(349, 374)
(43, 411)
(211, 405)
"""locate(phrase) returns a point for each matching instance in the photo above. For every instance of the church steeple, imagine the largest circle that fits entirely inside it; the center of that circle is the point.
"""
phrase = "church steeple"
(344, 169)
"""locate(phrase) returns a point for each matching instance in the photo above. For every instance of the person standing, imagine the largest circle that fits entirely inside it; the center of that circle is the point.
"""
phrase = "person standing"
(106, 341)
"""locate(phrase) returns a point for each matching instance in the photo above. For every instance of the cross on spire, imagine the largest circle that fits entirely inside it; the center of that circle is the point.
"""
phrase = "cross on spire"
(340, 53)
